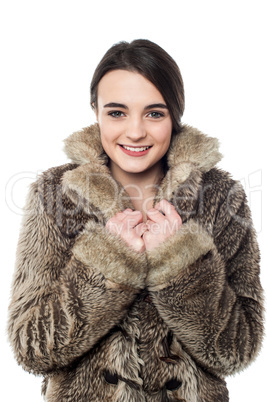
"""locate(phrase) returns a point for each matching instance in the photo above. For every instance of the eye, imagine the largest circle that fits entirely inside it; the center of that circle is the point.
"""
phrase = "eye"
(155, 115)
(116, 114)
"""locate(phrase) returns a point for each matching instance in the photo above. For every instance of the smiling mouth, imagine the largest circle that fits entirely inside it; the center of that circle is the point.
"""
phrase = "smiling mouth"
(136, 149)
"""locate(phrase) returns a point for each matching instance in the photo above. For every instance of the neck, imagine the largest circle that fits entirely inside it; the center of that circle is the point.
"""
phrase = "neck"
(141, 187)
(150, 177)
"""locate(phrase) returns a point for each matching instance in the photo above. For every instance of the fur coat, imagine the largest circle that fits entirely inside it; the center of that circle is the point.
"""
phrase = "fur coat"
(102, 322)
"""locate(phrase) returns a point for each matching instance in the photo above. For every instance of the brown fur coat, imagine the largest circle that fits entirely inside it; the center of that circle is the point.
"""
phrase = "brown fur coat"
(101, 322)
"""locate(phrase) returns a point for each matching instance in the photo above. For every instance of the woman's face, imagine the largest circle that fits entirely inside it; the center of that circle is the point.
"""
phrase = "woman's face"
(134, 121)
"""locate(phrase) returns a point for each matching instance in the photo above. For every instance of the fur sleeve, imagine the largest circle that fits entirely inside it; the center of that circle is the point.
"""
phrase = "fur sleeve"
(62, 303)
(110, 256)
(207, 288)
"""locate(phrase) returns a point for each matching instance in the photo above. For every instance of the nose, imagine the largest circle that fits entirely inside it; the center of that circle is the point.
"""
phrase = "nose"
(135, 129)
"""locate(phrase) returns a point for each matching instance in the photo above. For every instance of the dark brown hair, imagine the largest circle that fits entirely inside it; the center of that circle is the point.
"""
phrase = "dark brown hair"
(151, 61)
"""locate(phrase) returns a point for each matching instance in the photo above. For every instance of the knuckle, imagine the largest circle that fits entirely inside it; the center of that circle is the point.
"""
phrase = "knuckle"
(179, 219)
(139, 244)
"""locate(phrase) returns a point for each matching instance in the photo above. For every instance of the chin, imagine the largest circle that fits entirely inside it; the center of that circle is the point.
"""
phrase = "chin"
(134, 171)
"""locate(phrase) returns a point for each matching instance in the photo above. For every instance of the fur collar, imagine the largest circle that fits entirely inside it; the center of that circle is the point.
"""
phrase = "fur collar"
(189, 146)
(189, 151)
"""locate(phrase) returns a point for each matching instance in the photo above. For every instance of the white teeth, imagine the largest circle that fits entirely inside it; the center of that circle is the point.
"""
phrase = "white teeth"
(135, 149)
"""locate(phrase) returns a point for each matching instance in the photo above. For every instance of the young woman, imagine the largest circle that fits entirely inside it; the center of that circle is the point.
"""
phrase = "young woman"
(137, 274)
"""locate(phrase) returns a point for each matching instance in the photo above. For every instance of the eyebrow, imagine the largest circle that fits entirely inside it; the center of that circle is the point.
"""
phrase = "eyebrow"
(148, 107)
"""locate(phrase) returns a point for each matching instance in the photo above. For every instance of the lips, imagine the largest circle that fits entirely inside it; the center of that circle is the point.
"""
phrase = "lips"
(135, 151)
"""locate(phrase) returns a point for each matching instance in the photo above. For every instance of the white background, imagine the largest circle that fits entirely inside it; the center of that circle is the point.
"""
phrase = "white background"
(49, 50)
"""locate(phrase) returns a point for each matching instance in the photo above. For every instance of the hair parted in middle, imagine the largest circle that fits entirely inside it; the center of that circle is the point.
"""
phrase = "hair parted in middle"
(154, 63)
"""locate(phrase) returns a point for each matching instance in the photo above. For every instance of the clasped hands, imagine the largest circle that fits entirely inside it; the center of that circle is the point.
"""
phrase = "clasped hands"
(162, 222)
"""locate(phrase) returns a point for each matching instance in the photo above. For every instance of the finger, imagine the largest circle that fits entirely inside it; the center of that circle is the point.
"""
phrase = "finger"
(121, 215)
(155, 215)
(114, 224)
(153, 227)
(173, 220)
(168, 209)
(138, 245)
(165, 206)
(132, 219)
(118, 217)
(127, 211)
(147, 238)
(140, 229)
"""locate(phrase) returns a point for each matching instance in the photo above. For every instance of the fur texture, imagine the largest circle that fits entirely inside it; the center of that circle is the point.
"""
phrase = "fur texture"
(103, 323)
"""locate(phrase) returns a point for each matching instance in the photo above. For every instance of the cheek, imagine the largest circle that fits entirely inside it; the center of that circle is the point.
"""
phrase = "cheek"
(164, 134)
(108, 139)
(103, 136)
(109, 130)
(105, 140)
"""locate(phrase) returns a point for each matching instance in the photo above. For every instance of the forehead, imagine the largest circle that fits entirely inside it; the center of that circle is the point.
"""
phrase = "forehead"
(127, 87)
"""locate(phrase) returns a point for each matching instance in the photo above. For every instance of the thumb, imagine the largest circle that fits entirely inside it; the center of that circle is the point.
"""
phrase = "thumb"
(141, 229)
